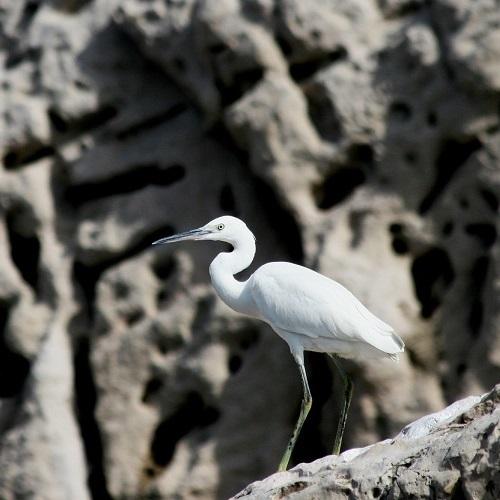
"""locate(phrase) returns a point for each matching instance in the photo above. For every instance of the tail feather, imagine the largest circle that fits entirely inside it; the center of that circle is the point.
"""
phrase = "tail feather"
(379, 334)
(391, 343)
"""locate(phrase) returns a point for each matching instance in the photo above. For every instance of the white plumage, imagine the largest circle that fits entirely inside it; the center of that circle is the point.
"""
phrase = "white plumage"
(306, 309)
(319, 313)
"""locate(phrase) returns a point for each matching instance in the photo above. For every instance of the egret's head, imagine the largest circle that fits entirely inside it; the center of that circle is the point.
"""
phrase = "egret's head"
(226, 228)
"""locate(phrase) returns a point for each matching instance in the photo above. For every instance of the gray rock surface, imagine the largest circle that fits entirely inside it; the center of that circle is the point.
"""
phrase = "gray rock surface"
(456, 456)
(359, 138)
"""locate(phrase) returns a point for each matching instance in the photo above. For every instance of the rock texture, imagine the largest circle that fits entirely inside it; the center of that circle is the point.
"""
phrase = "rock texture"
(450, 454)
(360, 138)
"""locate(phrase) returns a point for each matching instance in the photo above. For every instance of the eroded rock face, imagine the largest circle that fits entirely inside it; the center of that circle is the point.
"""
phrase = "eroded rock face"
(359, 138)
(451, 453)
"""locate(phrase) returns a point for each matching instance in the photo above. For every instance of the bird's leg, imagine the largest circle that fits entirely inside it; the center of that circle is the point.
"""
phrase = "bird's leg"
(304, 410)
(348, 388)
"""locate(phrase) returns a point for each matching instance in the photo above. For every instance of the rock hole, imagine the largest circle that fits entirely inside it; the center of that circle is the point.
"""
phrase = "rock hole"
(448, 228)
(399, 241)
(134, 316)
(241, 340)
(204, 309)
(30, 9)
(463, 202)
(432, 273)
(17, 56)
(86, 278)
(152, 15)
(376, 492)
(361, 155)
(452, 155)
(138, 177)
(356, 223)
(490, 488)
(217, 48)
(164, 268)
(284, 45)
(301, 71)
(322, 113)
(280, 220)
(162, 297)
(316, 35)
(432, 119)
(291, 488)
(209, 416)
(149, 472)
(382, 424)
(227, 202)
(153, 386)
(121, 290)
(400, 245)
(24, 250)
(396, 228)
(235, 363)
(411, 157)
(458, 492)
(191, 414)
(461, 369)
(395, 10)
(165, 341)
(96, 119)
(242, 82)
(478, 279)
(73, 6)
(80, 84)
(57, 121)
(414, 360)
(10, 160)
(249, 342)
(86, 402)
(14, 159)
(484, 232)
(400, 112)
(15, 367)
(337, 187)
(179, 64)
(490, 199)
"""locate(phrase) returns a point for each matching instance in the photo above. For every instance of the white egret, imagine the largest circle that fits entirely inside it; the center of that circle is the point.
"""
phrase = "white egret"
(306, 309)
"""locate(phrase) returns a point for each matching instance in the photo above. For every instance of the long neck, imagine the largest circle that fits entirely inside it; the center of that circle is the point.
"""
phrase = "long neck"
(225, 266)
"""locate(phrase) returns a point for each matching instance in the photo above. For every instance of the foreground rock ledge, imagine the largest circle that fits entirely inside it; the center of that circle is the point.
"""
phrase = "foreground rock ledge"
(454, 453)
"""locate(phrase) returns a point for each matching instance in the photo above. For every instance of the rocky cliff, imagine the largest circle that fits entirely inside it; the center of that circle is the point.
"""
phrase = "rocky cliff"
(360, 138)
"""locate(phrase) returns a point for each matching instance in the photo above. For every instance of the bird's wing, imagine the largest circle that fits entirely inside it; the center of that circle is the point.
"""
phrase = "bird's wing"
(299, 300)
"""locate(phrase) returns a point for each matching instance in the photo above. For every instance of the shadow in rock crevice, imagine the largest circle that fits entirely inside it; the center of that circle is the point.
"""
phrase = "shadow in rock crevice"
(451, 156)
(24, 247)
(432, 274)
(193, 413)
(86, 402)
(14, 366)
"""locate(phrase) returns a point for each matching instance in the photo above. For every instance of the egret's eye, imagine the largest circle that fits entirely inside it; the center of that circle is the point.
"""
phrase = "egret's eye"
(220, 227)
